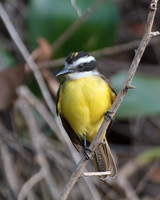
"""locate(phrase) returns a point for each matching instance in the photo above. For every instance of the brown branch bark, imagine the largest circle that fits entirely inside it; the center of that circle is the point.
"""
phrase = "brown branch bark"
(29, 184)
(119, 48)
(134, 65)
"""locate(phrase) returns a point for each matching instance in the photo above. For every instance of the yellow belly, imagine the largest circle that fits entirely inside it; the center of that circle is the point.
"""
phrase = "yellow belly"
(83, 104)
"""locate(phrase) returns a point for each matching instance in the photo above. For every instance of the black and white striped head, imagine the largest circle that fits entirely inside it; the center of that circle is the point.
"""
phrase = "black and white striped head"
(79, 65)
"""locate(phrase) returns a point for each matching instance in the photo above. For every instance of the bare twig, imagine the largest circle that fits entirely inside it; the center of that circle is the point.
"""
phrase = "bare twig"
(23, 50)
(66, 34)
(97, 53)
(24, 92)
(125, 184)
(89, 174)
(36, 141)
(76, 8)
(156, 33)
(142, 183)
(29, 184)
(119, 48)
(134, 65)
(13, 142)
(10, 172)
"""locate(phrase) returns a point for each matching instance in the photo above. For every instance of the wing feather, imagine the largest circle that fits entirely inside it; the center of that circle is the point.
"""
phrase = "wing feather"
(77, 142)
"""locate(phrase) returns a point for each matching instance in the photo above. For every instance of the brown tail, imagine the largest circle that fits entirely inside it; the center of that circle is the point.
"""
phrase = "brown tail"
(103, 160)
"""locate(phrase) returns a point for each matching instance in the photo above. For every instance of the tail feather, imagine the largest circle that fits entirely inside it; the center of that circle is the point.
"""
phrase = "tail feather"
(103, 160)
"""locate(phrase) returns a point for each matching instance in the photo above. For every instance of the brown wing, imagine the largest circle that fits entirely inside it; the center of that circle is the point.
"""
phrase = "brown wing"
(58, 93)
(103, 160)
(77, 142)
(110, 85)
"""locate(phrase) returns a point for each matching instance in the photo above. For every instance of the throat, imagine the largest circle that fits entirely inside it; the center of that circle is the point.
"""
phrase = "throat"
(79, 75)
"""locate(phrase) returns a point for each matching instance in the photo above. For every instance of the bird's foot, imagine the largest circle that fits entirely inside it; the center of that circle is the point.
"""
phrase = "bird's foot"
(87, 151)
(108, 116)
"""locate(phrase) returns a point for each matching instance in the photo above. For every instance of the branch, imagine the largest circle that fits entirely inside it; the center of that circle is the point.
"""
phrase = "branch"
(29, 184)
(76, 8)
(24, 92)
(9, 169)
(119, 48)
(26, 55)
(35, 135)
(14, 142)
(134, 65)
(89, 174)
(66, 34)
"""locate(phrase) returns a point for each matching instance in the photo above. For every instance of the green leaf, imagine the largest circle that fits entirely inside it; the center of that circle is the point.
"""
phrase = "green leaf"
(148, 156)
(6, 58)
(144, 100)
(50, 18)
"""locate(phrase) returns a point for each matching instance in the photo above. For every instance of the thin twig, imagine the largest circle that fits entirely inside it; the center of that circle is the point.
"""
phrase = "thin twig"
(89, 174)
(142, 183)
(35, 135)
(119, 48)
(123, 91)
(125, 184)
(23, 50)
(10, 172)
(29, 184)
(76, 8)
(66, 34)
(14, 142)
(24, 92)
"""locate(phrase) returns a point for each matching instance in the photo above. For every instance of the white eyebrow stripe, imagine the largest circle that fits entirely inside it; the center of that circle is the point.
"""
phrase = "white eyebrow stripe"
(86, 59)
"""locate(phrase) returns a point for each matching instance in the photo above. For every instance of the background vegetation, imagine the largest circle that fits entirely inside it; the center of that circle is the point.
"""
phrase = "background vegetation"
(33, 140)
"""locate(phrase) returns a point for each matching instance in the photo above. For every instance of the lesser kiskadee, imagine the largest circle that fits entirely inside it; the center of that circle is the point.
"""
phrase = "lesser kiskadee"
(82, 101)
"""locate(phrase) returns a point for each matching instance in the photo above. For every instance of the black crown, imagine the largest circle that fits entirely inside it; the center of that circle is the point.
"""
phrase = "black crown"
(75, 56)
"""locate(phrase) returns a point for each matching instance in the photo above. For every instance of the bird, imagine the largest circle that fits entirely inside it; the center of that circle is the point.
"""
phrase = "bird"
(83, 100)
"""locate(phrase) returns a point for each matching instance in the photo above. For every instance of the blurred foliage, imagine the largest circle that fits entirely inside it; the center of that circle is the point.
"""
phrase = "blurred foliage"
(48, 18)
(149, 155)
(6, 58)
(143, 100)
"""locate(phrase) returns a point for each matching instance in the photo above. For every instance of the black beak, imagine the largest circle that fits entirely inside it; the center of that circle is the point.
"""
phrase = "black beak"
(64, 71)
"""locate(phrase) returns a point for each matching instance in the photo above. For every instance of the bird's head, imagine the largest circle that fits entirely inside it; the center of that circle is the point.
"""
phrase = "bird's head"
(79, 65)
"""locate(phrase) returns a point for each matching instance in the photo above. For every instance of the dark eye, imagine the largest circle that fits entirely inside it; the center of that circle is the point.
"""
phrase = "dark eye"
(81, 66)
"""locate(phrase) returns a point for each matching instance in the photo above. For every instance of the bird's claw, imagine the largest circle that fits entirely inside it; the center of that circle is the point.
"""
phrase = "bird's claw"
(87, 156)
(108, 115)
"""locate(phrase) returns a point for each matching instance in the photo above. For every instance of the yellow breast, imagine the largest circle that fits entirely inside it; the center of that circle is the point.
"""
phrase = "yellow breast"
(83, 103)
